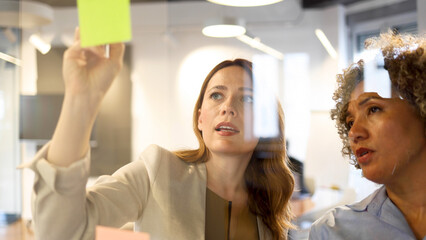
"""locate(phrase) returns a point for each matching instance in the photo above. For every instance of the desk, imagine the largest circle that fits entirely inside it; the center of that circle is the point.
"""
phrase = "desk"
(16, 231)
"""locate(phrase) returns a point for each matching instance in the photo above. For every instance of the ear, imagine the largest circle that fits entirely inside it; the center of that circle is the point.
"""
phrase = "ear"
(200, 120)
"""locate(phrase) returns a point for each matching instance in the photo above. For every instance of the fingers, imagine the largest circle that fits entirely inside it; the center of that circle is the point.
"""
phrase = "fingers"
(75, 51)
(117, 51)
(77, 34)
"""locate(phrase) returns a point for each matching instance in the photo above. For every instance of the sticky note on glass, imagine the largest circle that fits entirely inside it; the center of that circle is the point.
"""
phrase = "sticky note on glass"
(104, 21)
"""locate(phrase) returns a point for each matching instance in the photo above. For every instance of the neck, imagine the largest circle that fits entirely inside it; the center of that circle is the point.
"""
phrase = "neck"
(225, 175)
(409, 185)
(408, 193)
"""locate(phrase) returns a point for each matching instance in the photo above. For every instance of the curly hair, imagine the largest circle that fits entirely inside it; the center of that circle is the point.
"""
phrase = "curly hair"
(268, 178)
(405, 60)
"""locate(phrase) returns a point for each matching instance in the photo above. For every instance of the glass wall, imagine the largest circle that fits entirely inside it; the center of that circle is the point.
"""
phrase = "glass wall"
(297, 50)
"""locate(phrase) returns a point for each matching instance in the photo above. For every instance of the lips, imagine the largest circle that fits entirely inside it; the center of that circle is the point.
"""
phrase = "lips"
(363, 155)
(226, 128)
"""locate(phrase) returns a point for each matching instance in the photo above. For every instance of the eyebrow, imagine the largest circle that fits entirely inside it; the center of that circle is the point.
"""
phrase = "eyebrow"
(348, 113)
(223, 87)
(368, 99)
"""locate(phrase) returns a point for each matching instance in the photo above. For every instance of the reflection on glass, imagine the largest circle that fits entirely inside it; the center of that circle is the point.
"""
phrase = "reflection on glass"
(376, 78)
(265, 87)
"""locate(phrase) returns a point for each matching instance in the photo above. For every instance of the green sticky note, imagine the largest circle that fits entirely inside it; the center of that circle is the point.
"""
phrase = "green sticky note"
(104, 21)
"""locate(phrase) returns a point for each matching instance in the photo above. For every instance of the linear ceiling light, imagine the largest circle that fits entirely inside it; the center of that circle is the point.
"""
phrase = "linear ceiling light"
(326, 43)
(256, 43)
(224, 27)
(10, 59)
(244, 3)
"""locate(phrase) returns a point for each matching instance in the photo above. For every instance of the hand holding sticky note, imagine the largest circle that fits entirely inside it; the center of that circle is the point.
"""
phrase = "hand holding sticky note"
(104, 21)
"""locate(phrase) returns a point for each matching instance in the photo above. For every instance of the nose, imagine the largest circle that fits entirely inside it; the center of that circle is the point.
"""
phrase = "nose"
(358, 131)
(228, 108)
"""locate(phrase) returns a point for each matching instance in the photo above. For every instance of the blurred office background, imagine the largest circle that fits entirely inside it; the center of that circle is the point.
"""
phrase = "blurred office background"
(152, 100)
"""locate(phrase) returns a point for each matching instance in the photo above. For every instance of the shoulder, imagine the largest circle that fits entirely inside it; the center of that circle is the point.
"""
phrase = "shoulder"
(343, 220)
(329, 219)
(154, 156)
(337, 223)
(159, 160)
(155, 150)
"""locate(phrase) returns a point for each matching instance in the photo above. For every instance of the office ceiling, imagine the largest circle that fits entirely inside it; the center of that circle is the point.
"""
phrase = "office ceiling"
(305, 3)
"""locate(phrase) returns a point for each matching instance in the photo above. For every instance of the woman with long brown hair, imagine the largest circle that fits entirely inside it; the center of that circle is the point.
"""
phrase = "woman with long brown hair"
(234, 186)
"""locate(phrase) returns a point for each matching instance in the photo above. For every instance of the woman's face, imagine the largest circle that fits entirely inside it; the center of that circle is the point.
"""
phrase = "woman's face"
(226, 113)
(386, 135)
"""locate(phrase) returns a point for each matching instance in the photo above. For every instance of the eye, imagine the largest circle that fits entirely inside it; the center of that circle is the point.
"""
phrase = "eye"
(247, 99)
(216, 96)
(349, 124)
(374, 109)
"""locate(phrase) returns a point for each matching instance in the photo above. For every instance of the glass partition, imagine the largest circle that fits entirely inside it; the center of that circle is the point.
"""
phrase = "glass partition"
(297, 48)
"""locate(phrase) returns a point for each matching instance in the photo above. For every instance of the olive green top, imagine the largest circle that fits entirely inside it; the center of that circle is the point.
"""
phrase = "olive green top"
(218, 215)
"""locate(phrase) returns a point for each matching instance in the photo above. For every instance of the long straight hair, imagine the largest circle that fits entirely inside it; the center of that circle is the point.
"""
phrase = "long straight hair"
(268, 178)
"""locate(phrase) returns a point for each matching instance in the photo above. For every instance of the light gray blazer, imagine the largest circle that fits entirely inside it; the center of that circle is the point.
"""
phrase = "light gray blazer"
(162, 194)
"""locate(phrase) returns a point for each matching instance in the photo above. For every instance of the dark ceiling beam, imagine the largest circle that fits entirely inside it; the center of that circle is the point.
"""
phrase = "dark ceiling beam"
(381, 12)
(326, 3)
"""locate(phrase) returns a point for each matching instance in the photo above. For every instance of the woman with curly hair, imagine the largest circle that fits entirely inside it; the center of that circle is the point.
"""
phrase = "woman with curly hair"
(385, 137)
(234, 186)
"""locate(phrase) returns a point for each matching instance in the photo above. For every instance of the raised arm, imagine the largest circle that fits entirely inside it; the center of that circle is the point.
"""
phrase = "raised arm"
(87, 74)
(61, 206)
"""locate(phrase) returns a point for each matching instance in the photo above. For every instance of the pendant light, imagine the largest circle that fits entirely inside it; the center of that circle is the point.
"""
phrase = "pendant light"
(224, 27)
(244, 3)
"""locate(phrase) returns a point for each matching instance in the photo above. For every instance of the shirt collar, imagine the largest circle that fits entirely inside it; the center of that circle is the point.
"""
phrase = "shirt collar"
(380, 205)
(373, 202)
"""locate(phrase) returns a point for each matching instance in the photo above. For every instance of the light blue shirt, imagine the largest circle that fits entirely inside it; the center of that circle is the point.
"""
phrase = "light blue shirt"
(375, 217)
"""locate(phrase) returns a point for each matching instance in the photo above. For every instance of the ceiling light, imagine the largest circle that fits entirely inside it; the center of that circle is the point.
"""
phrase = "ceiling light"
(39, 43)
(224, 27)
(10, 59)
(326, 43)
(256, 43)
(244, 3)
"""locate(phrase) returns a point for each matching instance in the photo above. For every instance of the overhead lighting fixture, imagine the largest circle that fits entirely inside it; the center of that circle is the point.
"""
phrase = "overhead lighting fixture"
(224, 28)
(326, 43)
(244, 3)
(256, 43)
(39, 43)
(10, 59)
